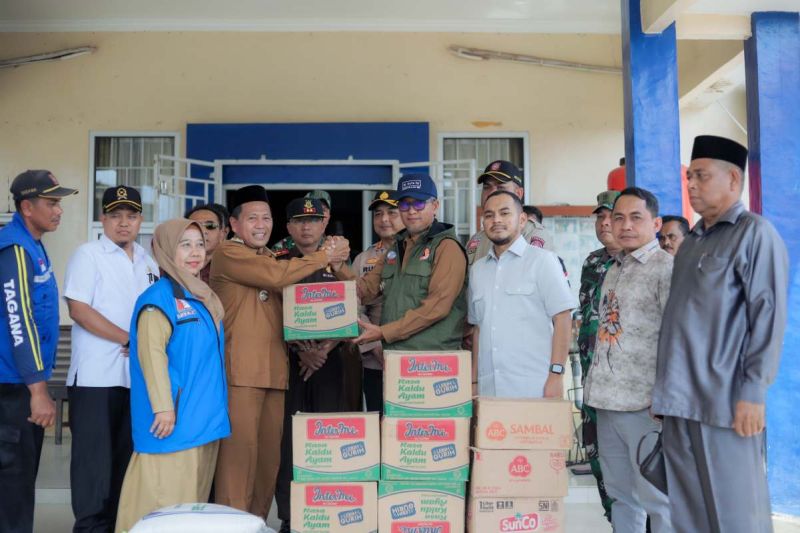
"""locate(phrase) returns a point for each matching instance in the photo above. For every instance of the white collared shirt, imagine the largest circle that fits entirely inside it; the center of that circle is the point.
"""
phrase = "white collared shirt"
(102, 275)
(513, 300)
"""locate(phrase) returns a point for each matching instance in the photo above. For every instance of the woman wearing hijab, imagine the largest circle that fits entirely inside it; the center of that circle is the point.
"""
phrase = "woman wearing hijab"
(178, 393)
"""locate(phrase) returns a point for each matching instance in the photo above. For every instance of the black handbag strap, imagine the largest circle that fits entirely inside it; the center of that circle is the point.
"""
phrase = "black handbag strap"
(639, 447)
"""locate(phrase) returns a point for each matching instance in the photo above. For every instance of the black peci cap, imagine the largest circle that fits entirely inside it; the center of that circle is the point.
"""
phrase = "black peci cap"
(251, 193)
(713, 147)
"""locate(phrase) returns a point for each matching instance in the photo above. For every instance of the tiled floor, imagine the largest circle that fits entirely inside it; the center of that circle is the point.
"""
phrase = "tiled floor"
(54, 514)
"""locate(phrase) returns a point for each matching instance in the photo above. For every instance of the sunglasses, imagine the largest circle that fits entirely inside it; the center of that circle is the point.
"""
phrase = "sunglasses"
(418, 205)
(209, 225)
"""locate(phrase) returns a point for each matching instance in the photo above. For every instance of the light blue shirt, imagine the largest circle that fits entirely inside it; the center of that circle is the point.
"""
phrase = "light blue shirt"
(513, 300)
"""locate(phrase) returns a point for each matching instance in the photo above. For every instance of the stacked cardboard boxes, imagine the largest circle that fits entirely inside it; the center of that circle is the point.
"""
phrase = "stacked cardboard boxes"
(425, 441)
(519, 475)
(336, 463)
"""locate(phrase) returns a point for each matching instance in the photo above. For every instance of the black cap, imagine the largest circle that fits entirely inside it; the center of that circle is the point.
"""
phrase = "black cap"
(304, 207)
(121, 196)
(713, 147)
(38, 184)
(383, 197)
(251, 193)
(502, 171)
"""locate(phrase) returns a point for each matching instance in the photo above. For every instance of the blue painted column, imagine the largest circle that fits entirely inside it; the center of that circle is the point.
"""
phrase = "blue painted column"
(772, 66)
(652, 126)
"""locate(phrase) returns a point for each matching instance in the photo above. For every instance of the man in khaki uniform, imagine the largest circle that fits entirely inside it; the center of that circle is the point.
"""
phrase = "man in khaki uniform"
(505, 176)
(248, 280)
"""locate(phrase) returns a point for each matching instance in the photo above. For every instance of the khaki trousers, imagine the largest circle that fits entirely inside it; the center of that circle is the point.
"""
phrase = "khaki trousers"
(249, 459)
(156, 480)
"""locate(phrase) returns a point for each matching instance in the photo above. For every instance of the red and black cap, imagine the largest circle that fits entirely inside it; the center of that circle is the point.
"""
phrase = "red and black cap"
(38, 184)
(304, 207)
(503, 171)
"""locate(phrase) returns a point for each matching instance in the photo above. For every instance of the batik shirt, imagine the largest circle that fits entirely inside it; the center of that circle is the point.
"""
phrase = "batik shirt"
(632, 300)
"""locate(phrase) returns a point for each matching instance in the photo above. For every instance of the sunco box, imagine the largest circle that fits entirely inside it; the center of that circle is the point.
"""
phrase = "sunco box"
(336, 446)
(506, 424)
(420, 506)
(427, 384)
(320, 311)
(332, 507)
(519, 473)
(500, 515)
(425, 448)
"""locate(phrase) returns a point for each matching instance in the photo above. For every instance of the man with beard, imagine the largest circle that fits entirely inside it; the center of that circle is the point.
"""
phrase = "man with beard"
(520, 304)
(387, 223)
(103, 280)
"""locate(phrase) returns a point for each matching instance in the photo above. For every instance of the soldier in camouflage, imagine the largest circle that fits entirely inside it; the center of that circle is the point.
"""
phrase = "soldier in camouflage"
(594, 269)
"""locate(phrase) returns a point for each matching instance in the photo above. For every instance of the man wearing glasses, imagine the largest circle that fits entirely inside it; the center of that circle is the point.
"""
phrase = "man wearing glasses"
(214, 220)
(422, 277)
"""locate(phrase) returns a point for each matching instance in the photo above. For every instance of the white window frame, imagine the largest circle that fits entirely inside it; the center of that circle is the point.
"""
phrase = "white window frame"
(526, 149)
(95, 228)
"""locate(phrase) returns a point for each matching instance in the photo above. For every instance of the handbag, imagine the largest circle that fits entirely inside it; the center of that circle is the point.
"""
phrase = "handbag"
(652, 466)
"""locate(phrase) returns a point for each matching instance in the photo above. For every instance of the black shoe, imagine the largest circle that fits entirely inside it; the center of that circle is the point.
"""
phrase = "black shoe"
(285, 527)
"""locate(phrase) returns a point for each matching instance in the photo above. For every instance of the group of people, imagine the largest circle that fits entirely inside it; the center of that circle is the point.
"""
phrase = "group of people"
(181, 387)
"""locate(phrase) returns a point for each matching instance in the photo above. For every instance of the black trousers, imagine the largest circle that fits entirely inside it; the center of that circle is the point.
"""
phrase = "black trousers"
(322, 393)
(20, 450)
(100, 421)
(373, 389)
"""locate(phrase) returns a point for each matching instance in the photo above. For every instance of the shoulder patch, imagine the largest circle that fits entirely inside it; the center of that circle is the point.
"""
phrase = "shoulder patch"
(537, 241)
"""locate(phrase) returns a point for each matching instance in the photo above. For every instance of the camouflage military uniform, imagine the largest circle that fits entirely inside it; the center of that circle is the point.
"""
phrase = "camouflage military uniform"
(283, 246)
(594, 270)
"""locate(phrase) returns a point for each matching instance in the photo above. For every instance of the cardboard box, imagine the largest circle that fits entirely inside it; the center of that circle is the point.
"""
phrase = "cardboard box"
(425, 448)
(519, 473)
(420, 506)
(510, 424)
(336, 446)
(427, 384)
(500, 515)
(320, 311)
(332, 507)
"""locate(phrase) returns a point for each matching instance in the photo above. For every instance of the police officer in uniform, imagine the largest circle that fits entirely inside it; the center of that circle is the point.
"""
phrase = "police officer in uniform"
(387, 223)
(28, 341)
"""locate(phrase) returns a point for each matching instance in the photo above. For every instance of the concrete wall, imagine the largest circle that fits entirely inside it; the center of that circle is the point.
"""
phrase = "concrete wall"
(162, 81)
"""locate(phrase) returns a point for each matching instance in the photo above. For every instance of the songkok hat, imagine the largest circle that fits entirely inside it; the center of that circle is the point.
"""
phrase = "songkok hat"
(713, 147)
(251, 193)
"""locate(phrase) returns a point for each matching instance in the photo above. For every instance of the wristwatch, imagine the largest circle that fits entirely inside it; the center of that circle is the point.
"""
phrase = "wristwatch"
(557, 368)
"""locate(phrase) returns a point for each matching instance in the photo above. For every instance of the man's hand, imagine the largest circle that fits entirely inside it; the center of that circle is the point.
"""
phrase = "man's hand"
(370, 333)
(164, 424)
(337, 250)
(554, 386)
(125, 351)
(43, 408)
(749, 419)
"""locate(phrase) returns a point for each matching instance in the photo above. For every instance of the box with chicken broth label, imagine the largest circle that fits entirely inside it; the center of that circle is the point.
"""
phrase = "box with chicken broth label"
(519, 473)
(523, 424)
(501, 515)
(420, 507)
(331, 507)
(336, 446)
(320, 311)
(425, 448)
(427, 384)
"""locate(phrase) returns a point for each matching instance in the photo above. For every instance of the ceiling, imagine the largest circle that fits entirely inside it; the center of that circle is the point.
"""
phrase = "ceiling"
(532, 16)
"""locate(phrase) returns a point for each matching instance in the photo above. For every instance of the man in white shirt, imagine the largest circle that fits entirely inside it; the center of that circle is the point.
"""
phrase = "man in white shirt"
(103, 280)
(520, 303)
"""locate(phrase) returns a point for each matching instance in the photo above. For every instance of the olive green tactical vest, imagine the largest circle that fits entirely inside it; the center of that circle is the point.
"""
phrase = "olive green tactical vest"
(404, 290)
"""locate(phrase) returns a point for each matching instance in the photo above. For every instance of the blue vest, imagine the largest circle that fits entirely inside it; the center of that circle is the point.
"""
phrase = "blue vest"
(196, 355)
(44, 300)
